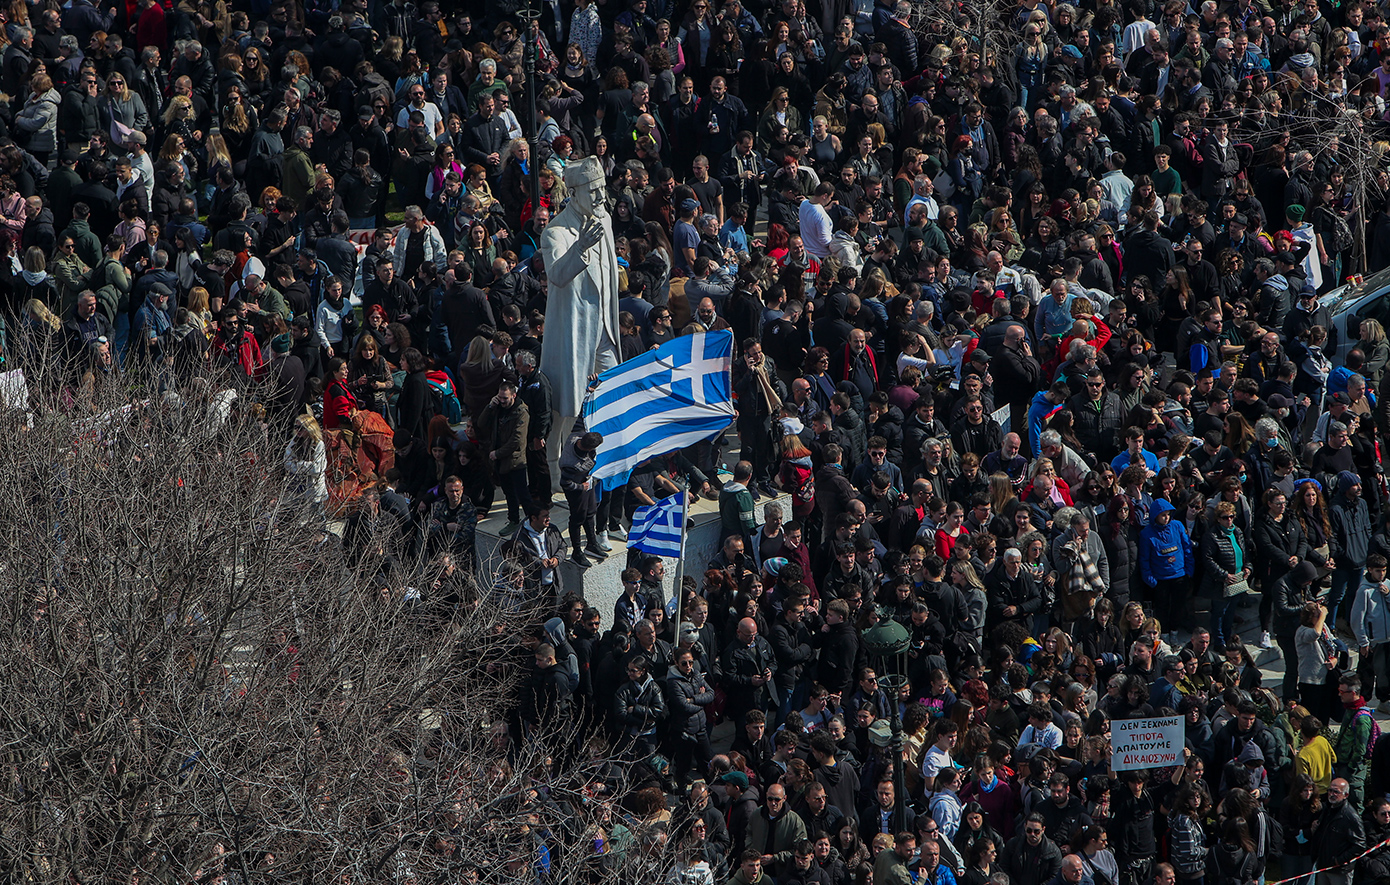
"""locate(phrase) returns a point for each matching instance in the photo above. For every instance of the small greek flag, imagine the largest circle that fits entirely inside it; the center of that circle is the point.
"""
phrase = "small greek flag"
(656, 528)
(659, 402)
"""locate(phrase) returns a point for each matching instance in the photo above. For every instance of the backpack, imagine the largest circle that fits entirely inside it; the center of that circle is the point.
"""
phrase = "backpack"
(1341, 233)
(374, 86)
(445, 400)
(803, 491)
(1375, 733)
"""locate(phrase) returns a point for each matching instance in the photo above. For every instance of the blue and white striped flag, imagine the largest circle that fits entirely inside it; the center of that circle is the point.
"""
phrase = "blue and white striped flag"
(659, 402)
(656, 528)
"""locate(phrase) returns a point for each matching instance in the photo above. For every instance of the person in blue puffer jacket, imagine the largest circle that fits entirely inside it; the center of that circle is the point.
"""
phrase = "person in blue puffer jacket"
(1166, 562)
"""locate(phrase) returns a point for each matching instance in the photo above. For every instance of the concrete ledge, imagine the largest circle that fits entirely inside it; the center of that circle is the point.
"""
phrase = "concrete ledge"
(601, 583)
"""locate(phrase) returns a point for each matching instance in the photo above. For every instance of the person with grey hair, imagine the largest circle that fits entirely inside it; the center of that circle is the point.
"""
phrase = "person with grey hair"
(193, 63)
(897, 34)
(922, 194)
(297, 175)
(14, 69)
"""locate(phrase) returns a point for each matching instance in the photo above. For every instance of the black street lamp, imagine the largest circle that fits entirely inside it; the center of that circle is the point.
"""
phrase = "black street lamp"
(889, 641)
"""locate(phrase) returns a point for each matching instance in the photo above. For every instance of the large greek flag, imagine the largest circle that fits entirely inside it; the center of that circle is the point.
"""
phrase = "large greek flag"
(656, 528)
(664, 400)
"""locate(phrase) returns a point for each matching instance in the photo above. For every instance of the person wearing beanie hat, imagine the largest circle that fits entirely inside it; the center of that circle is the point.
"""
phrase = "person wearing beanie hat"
(1302, 232)
(1350, 542)
(289, 376)
(1370, 625)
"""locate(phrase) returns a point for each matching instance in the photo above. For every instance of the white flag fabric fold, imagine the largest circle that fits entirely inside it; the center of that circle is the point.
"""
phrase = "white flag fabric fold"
(656, 528)
(659, 402)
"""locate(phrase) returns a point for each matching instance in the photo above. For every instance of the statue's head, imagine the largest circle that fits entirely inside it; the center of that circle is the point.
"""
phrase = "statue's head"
(588, 187)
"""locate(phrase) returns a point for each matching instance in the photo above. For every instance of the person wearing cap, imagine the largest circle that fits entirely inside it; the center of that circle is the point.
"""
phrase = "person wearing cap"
(149, 330)
(1338, 412)
(367, 135)
(685, 238)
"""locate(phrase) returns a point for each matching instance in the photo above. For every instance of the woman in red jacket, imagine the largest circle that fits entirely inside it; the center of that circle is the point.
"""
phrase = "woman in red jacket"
(338, 401)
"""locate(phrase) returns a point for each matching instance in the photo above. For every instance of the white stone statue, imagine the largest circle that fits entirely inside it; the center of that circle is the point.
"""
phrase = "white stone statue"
(581, 315)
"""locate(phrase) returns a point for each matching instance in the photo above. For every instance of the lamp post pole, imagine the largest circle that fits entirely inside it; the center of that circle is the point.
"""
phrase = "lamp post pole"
(531, 19)
(888, 641)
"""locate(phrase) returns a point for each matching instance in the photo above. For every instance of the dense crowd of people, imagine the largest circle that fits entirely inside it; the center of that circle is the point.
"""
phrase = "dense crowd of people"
(1028, 333)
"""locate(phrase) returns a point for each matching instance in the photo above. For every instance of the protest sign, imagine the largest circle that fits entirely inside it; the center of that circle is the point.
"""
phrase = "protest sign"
(1145, 743)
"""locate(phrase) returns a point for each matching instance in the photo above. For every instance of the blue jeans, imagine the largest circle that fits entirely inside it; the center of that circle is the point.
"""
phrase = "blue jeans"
(1223, 617)
(1344, 581)
(121, 332)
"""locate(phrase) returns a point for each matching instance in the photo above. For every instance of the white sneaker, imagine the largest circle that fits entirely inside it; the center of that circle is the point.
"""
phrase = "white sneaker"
(619, 533)
(603, 543)
(1265, 641)
(1384, 707)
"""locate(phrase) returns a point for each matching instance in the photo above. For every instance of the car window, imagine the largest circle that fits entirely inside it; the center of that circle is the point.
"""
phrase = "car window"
(1377, 309)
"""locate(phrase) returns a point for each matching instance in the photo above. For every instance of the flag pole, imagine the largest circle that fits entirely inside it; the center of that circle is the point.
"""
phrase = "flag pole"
(676, 593)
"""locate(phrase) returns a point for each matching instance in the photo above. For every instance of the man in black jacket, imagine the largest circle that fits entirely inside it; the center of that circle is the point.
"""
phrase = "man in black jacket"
(1132, 829)
(466, 309)
(545, 696)
(746, 668)
(1340, 835)
(485, 137)
(838, 644)
(1147, 253)
(791, 643)
(1098, 415)
(1016, 372)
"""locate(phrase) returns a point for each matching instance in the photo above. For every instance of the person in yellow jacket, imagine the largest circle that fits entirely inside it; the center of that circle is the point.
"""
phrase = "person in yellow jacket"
(1316, 756)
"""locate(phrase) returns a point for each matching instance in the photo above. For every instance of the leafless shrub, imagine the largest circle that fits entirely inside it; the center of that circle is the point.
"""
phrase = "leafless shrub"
(196, 685)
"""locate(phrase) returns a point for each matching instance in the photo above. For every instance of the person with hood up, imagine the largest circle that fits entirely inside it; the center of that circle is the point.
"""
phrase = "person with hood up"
(1166, 560)
(1256, 779)
(1350, 542)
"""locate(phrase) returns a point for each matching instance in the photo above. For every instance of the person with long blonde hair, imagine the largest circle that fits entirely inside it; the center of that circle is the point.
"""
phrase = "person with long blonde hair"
(122, 109)
(200, 308)
(307, 462)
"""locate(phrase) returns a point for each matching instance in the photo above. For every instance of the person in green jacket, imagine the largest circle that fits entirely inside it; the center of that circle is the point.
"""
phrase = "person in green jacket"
(737, 513)
(750, 870)
(1353, 746)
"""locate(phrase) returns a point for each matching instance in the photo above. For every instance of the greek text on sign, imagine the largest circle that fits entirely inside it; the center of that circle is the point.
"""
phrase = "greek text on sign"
(1146, 743)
